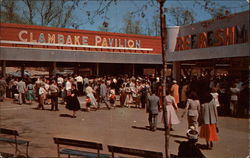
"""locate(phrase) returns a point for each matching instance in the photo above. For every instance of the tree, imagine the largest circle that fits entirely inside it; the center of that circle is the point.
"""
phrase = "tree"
(131, 26)
(65, 17)
(215, 9)
(31, 13)
(180, 16)
(153, 28)
(57, 13)
(8, 12)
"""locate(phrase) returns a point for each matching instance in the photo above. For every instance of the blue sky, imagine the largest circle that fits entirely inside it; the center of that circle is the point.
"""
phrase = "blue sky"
(117, 11)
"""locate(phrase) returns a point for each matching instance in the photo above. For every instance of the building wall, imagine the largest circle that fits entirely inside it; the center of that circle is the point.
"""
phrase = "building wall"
(26, 54)
(37, 43)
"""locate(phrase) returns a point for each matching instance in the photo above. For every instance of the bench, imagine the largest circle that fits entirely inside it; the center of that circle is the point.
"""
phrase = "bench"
(134, 152)
(10, 136)
(81, 144)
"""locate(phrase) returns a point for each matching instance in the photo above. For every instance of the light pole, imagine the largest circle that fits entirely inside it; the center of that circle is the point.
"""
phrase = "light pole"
(164, 65)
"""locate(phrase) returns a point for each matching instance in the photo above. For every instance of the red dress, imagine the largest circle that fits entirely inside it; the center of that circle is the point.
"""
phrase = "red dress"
(208, 131)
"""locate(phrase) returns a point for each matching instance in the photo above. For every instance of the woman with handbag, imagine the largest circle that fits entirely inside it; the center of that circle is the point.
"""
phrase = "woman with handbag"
(208, 119)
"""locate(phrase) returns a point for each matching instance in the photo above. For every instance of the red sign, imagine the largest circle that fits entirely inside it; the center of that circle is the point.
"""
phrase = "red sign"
(16, 35)
(220, 37)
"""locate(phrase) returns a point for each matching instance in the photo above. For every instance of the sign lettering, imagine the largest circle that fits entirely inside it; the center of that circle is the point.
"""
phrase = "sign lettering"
(220, 37)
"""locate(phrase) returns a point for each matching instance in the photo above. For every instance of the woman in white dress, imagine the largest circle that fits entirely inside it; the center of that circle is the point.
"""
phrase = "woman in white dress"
(171, 106)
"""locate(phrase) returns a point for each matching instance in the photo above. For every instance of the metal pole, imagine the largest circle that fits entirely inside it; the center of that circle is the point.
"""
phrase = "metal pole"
(164, 64)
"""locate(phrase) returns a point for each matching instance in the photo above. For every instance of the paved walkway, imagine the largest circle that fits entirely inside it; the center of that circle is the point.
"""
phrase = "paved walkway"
(119, 126)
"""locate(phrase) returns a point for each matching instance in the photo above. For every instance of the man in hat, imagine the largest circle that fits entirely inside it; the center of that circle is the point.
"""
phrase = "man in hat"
(189, 148)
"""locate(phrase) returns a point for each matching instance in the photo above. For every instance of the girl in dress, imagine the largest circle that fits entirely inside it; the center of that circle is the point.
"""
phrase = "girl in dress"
(112, 98)
(30, 93)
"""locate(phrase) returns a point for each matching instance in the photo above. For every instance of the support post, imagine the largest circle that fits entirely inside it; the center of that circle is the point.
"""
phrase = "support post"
(176, 71)
(133, 69)
(97, 69)
(22, 70)
(3, 69)
(52, 71)
(164, 65)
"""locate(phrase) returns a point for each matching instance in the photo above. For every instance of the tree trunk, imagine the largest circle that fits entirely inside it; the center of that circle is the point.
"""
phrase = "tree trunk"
(164, 64)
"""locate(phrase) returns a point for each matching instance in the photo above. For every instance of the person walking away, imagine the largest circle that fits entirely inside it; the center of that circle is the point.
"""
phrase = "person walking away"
(153, 105)
(10, 85)
(234, 99)
(175, 91)
(30, 93)
(171, 106)
(144, 94)
(184, 92)
(208, 119)
(244, 100)
(193, 108)
(128, 92)
(89, 92)
(21, 87)
(189, 149)
(85, 83)
(72, 102)
(54, 93)
(122, 95)
(104, 94)
(3, 86)
(47, 96)
(42, 93)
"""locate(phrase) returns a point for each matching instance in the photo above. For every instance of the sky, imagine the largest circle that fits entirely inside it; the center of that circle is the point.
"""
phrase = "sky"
(116, 12)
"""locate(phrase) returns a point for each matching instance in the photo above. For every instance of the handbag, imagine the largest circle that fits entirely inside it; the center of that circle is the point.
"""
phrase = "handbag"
(217, 129)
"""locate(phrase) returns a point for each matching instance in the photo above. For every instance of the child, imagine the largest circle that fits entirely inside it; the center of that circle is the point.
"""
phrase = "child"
(112, 98)
(88, 103)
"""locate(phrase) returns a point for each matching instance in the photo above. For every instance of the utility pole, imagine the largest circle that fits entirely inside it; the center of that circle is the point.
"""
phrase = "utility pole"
(164, 65)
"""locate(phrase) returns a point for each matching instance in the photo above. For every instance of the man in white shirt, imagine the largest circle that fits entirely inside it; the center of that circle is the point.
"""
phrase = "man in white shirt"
(68, 85)
(79, 81)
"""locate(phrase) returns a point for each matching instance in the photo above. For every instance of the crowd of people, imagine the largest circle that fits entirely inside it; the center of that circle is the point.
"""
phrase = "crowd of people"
(202, 98)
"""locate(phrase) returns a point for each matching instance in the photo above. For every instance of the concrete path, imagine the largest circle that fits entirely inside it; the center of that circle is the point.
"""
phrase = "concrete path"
(120, 126)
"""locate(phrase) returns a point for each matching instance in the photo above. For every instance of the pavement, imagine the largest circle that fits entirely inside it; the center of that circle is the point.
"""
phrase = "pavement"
(120, 126)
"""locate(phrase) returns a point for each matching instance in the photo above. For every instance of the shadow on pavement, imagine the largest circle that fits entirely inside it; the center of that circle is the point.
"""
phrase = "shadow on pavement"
(146, 128)
(65, 115)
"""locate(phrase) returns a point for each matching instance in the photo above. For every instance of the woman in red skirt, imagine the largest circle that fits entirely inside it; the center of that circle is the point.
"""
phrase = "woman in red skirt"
(208, 119)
